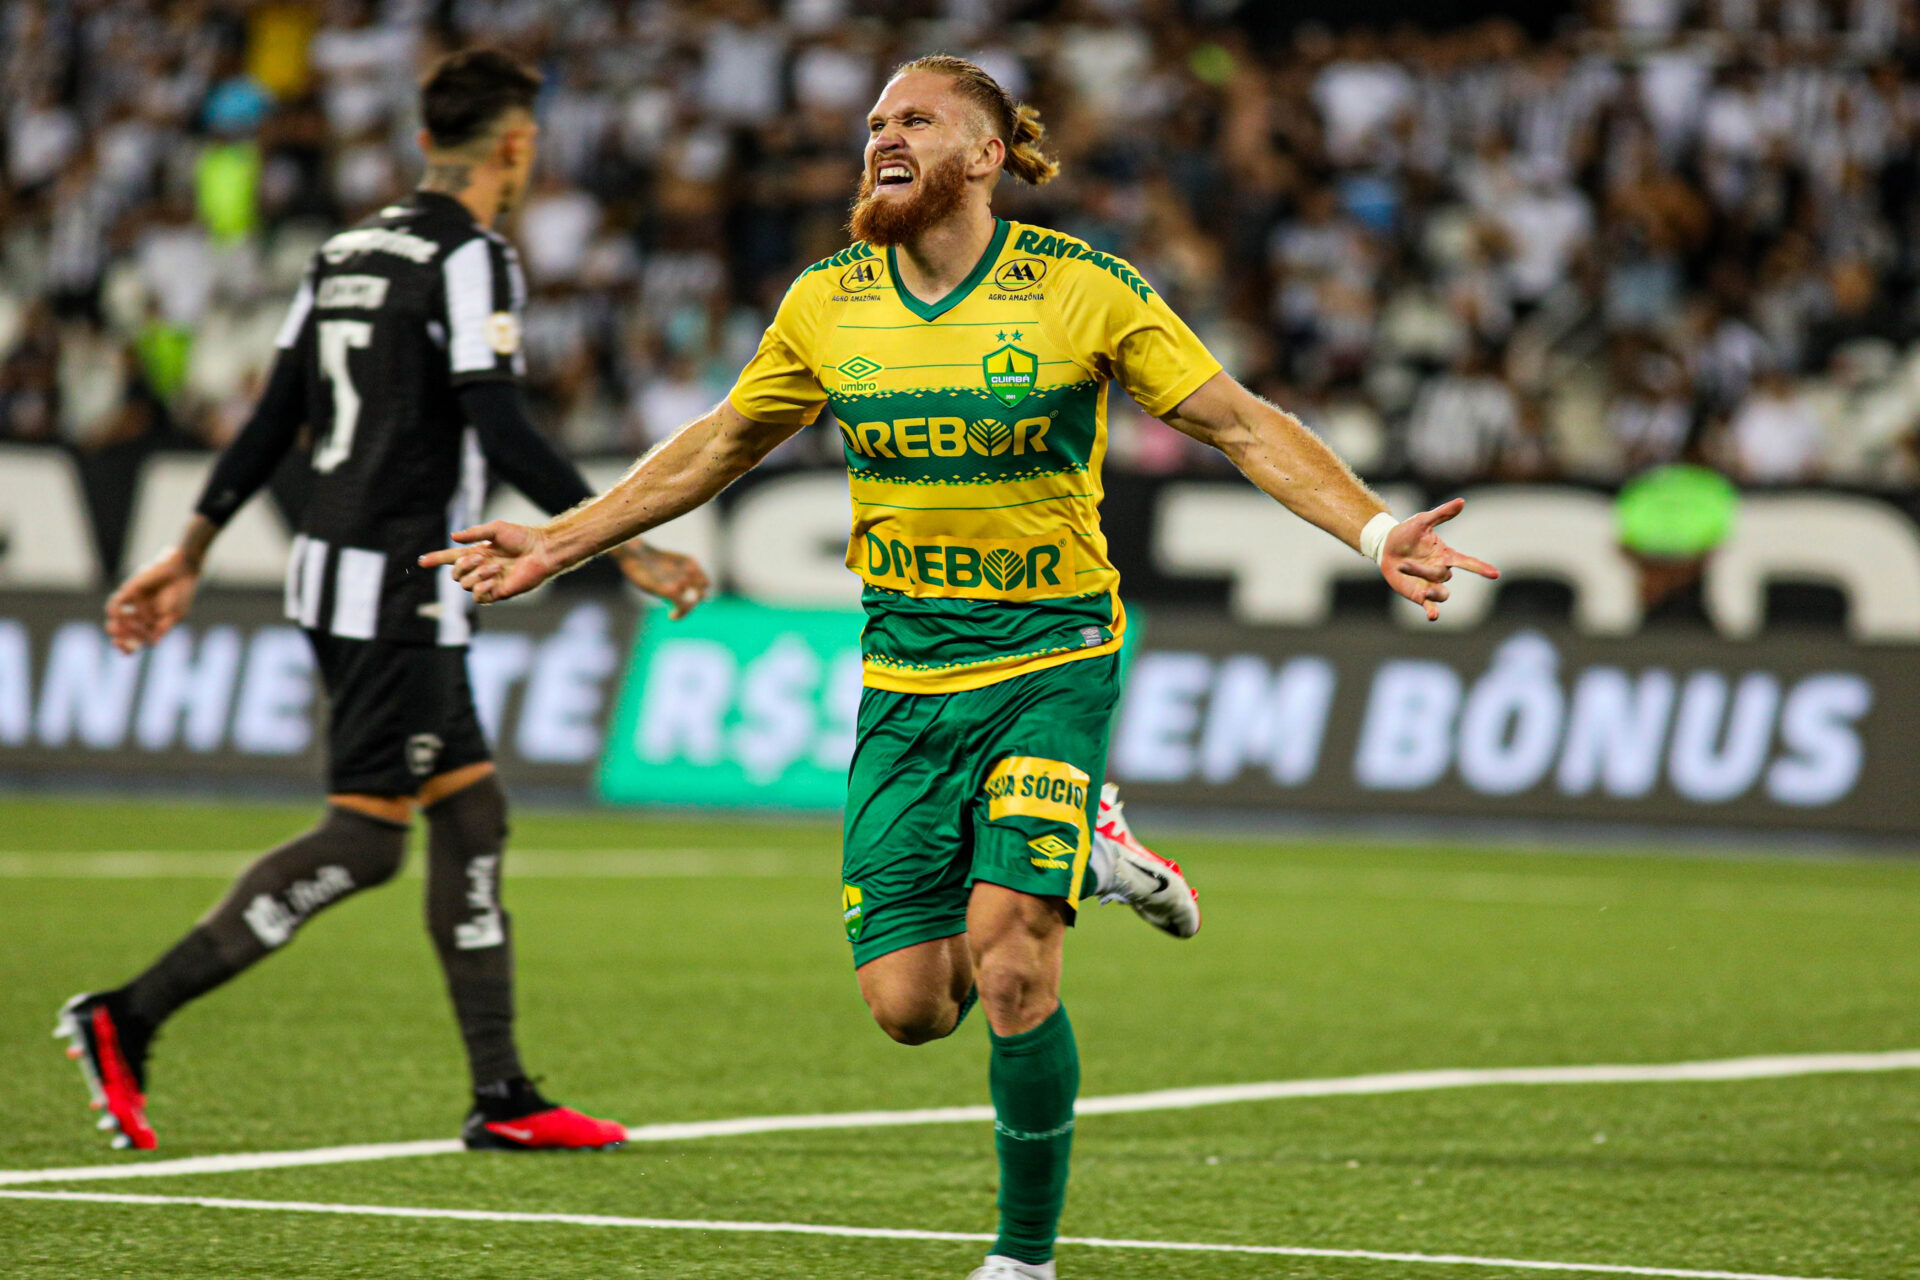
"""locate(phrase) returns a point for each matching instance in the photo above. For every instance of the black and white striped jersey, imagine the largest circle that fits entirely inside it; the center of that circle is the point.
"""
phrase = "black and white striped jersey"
(393, 318)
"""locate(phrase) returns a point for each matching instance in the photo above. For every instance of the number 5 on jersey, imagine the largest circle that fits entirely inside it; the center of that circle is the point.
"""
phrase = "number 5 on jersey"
(336, 338)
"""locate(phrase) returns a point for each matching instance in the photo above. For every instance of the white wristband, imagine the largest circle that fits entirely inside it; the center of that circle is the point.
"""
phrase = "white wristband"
(1373, 537)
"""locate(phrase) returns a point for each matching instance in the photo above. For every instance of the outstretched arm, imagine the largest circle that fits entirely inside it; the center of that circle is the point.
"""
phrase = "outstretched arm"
(158, 595)
(501, 559)
(527, 460)
(1298, 470)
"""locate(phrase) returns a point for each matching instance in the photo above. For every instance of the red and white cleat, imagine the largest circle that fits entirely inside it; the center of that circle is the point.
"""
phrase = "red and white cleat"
(1134, 874)
(555, 1129)
(113, 1065)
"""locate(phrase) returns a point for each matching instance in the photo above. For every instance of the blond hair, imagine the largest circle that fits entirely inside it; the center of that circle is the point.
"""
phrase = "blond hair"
(1016, 124)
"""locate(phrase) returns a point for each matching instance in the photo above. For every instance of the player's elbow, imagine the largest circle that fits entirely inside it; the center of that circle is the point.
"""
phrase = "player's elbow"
(1231, 434)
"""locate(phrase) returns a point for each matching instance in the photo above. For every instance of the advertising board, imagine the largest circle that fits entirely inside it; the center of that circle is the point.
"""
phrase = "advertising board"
(232, 693)
(751, 705)
(738, 705)
(1663, 727)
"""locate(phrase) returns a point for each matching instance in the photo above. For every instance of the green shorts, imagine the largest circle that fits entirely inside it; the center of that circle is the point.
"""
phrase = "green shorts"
(1000, 784)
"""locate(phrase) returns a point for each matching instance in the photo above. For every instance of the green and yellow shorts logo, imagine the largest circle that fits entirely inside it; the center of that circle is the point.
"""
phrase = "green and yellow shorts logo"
(1053, 853)
(852, 912)
(969, 568)
(1054, 791)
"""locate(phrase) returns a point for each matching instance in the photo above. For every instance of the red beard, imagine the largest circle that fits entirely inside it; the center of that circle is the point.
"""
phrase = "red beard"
(942, 190)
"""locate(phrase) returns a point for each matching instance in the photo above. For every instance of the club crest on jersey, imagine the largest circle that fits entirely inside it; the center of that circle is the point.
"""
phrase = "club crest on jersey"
(1011, 374)
(503, 332)
(861, 275)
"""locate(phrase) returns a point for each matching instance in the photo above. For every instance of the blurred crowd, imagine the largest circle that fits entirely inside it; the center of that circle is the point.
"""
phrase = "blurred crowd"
(1665, 230)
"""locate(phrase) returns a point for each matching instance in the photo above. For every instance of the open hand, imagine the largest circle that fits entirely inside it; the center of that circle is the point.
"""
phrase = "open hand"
(149, 603)
(677, 579)
(500, 560)
(1418, 565)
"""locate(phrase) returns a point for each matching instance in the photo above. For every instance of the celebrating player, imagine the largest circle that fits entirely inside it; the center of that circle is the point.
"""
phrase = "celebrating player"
(967, 360)
(402, 349)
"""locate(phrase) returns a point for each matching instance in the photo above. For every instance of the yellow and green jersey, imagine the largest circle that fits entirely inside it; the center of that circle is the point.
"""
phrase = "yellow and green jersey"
(974, 429)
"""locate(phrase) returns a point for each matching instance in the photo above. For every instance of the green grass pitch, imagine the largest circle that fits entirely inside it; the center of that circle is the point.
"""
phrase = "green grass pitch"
(683, 969)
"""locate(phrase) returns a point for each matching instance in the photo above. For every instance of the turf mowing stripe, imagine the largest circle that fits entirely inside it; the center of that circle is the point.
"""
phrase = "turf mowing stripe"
(876, 1233)
(1546, 890)
(720, 862)
(1757, 1068)
(693, 862)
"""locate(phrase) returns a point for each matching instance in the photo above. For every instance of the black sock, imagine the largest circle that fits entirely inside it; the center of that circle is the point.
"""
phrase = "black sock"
(347, 852)
(191, 968)
(508, 1099)
(472, 932)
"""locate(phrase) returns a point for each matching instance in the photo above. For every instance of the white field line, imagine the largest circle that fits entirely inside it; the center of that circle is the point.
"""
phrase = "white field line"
(1758, 1068)
(873, 1233)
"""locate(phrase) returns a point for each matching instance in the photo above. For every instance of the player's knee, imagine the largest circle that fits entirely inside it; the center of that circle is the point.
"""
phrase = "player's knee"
(1015, 998)
(915, 1030)
(379, 873)
(915, 1019)
(384, 864)
(468, 821)
(346, 852)
(371, 848)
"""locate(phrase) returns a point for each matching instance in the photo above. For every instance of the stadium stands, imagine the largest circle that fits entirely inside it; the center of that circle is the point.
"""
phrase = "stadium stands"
(1671, 229)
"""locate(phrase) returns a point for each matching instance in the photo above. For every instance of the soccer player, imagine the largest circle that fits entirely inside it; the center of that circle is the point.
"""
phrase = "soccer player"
(402, 351)
(967, 360)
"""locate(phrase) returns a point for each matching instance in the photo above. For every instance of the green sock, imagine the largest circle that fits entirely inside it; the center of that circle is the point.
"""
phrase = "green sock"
(1034, 1077)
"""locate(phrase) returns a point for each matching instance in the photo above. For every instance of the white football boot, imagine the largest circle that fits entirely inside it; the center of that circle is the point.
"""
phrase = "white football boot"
(1003, 1268)
(1127, 871)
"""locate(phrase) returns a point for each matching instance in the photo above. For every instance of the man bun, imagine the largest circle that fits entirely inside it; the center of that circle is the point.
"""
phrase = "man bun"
(1025, 160)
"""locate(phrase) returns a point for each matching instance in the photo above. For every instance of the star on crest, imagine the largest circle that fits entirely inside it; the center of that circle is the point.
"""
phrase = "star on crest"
(1001, 336)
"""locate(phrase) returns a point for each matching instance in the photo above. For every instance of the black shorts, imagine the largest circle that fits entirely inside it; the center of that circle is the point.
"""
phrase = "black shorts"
(399, 714)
